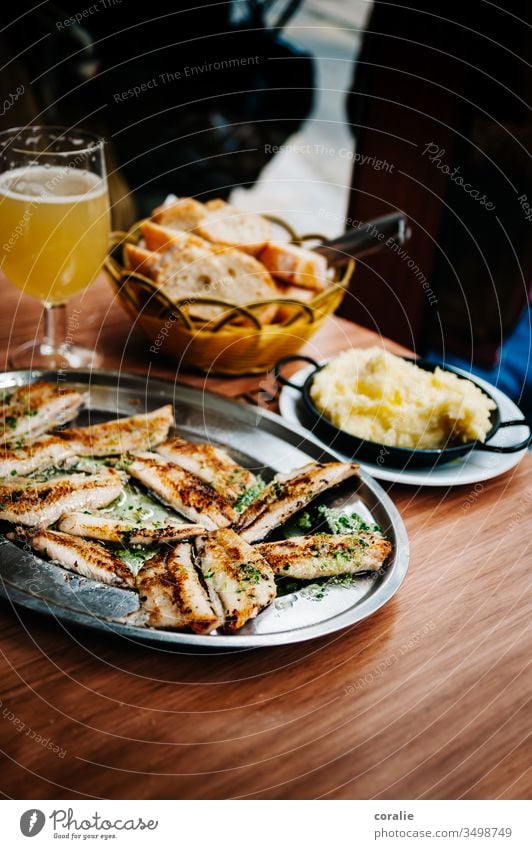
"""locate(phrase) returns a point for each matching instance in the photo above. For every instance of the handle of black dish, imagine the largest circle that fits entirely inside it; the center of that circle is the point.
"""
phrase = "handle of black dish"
(509, 449)
(283, 381)
(368, 238)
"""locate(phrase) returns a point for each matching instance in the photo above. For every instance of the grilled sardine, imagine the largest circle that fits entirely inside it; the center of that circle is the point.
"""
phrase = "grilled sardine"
(182, 491)
(41, 453)
(172, 595)
(35, 408)
(107, 528)
(89, 559)
(211, 464)
(286, 494)
(135, 433)
(237, 573)
(326, 555)
(23, 501)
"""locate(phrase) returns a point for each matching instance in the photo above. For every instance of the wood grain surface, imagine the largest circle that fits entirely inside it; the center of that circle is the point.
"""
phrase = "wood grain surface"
(427, 699)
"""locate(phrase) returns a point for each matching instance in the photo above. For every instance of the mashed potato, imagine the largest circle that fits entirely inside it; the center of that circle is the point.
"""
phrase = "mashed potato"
(380, 397)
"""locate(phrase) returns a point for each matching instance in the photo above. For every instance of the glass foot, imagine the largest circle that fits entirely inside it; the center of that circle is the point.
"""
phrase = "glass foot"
(41, 355)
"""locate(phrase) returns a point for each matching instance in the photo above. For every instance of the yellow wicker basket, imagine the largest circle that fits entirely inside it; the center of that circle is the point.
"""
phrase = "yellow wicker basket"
(237, 343)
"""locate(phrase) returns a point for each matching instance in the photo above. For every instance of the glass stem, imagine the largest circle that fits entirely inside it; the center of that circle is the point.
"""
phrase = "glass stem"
(55, 326)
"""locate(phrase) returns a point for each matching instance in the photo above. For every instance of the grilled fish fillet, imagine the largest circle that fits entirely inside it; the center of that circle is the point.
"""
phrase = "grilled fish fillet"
(109, 529)
(26, 502)
(41, 453)
(135, 433)
(89, 559)
(35, 408)
(172, 595)
(185, 493)
(326, 555)
(211, 464)
(286, 494)
(237, 573)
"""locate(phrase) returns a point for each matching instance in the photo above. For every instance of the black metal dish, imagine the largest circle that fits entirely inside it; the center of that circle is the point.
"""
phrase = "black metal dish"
(387, 455)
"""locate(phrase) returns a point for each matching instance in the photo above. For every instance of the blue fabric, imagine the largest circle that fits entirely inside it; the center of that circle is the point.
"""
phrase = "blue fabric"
(513, 374)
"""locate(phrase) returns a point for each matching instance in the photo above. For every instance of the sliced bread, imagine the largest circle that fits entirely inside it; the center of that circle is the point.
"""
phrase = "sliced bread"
(158, 238)
(141, 260)
(216, 221)
(182, 214)
(190, 270)
(295, 265)
(292, 293)
(225, 225)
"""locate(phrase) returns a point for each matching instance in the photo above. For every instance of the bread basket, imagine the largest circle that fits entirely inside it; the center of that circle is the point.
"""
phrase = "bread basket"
(235, 343)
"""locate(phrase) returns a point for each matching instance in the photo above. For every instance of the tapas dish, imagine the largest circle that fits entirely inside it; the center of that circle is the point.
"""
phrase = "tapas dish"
(202, 542)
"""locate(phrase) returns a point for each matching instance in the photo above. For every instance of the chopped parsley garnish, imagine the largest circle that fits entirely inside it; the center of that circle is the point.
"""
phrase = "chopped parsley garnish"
(135, 557)
(11, 421)
(249, 572)
(345, 523)
(305, 521)
(342, 581)
(249, 496)
(314, 590)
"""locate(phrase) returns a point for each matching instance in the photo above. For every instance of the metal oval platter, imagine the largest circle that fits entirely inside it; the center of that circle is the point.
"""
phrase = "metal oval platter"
(257, 439)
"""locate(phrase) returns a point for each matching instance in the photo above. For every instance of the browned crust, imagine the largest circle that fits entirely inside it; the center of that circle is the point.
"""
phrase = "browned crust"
(24, 496)
(297, 266)
(161, 239)
(328, 554)
(296, 491)
(108, 529)
(35, 408)
(179, 487)
(142, 261)
(171, 574)
(187, 212)
(241, 564)
(92, 553)
(133, 433)
(37, 454)
(215, 467)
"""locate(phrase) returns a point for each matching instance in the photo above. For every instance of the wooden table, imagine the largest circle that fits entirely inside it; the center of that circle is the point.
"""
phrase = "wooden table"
(427, 699)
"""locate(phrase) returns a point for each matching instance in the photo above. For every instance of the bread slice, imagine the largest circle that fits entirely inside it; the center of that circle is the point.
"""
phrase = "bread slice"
(226, 225)
(295, 265)
(182, 214)
(227, 274)
(141, 260)
(291, 293)
(216, 221)
(157, 238)
(190, 270)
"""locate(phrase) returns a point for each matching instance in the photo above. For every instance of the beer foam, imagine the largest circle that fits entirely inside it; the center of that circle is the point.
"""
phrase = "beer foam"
(54, 184)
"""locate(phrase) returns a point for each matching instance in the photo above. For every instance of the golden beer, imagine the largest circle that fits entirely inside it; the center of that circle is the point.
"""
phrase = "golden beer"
(54, 229)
